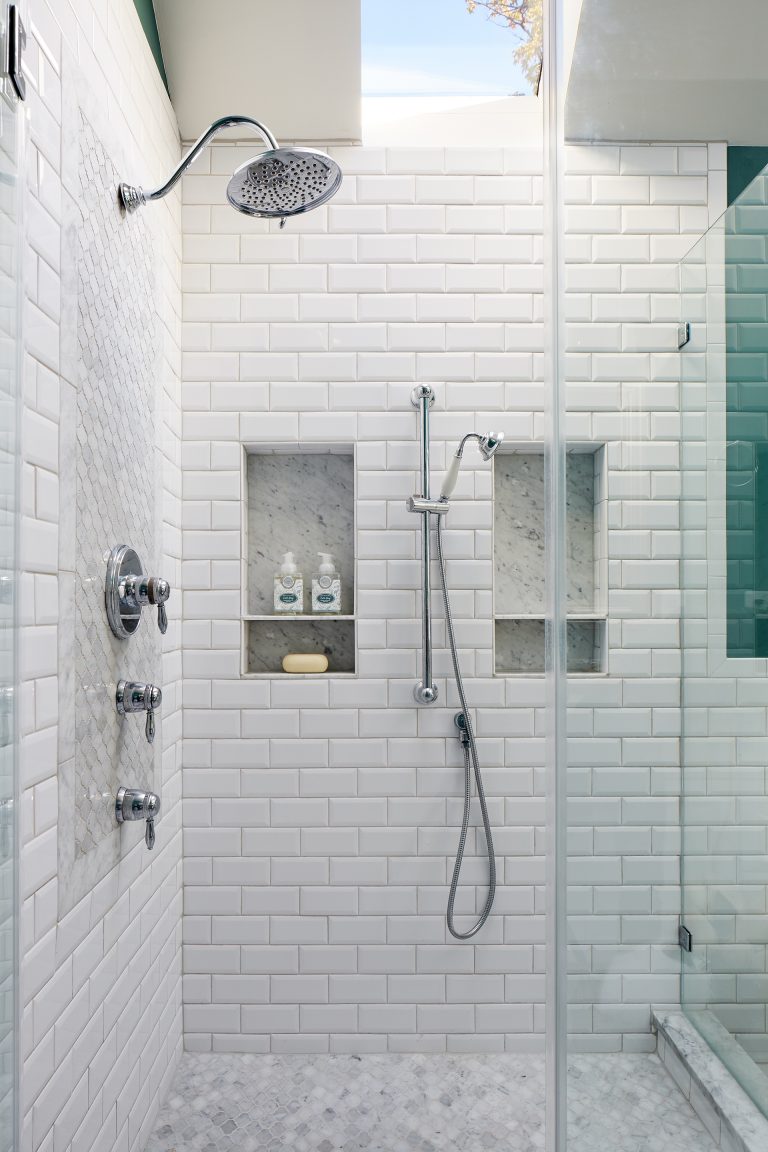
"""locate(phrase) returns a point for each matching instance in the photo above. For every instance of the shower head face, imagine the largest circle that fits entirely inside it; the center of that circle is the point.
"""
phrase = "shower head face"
(284, 182)
(489, 443)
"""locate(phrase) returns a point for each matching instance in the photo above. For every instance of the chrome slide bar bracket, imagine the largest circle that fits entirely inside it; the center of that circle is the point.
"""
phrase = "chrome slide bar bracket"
(422, 398)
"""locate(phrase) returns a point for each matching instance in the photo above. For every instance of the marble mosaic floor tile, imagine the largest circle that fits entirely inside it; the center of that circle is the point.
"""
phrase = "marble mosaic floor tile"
(409, 1103)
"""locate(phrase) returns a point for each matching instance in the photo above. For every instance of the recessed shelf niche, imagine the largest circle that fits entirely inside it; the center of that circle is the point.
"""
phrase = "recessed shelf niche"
(299, 500)
(519, 560)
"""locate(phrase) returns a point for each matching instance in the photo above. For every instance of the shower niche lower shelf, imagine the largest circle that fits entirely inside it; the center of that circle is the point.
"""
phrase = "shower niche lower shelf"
(520, 645)
(269, 638)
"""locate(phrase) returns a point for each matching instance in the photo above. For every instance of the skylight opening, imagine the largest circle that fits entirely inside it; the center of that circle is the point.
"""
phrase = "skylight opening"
(452, 50)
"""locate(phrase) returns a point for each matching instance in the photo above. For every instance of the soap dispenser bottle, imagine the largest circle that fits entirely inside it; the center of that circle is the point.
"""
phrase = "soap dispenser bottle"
(326, 586)
(289, 587)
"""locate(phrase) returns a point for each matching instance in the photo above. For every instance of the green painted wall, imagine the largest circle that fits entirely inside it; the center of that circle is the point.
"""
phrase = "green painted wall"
(148, 22)
(743, 165)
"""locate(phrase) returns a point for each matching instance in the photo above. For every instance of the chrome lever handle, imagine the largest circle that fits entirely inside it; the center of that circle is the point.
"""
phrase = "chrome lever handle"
(137, 697)
(128, 590)
(158, 591)
(135, 804)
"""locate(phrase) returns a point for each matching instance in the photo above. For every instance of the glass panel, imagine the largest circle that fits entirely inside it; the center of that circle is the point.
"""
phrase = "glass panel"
(10, 127)
(724, 578)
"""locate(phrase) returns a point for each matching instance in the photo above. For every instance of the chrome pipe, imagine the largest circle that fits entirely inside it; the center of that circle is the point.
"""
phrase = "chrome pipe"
(133, 197)
(423, 397)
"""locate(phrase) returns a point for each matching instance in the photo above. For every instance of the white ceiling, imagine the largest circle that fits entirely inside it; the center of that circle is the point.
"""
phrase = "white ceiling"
(670, 70)
(294, 64)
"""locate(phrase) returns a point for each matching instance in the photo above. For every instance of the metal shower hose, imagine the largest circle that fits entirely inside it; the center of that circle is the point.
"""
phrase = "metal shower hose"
(470, 754)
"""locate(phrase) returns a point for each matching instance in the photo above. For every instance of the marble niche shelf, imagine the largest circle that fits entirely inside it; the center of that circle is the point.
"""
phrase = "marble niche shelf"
(519, 560)
(302, 500)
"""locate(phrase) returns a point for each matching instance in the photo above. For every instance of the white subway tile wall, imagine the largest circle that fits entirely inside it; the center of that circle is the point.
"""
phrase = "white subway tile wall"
(93, 1075)
(321, 817)
(624, 767)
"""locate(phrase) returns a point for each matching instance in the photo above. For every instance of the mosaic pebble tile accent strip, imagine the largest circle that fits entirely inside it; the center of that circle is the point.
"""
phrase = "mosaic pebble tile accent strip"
(111, 477)
(116, 485)
(412, 1103)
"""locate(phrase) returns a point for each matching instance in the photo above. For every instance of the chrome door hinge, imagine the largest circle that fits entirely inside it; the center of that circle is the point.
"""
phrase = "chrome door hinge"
(16, 40)
(684, 938)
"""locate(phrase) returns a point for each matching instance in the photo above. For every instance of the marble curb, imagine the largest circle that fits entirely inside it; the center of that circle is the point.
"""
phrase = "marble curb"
(732, 1119)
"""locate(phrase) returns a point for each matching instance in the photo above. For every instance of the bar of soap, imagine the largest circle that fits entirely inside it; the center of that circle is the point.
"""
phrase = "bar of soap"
(305, 662)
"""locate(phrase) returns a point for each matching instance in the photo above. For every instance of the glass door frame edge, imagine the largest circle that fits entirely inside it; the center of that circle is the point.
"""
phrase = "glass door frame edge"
(555, 658)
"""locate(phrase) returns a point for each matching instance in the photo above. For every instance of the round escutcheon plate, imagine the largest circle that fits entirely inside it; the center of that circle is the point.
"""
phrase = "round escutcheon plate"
(123, 618)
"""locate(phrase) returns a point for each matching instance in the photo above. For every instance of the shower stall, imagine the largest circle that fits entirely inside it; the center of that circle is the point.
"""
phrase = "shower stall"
(495, 875)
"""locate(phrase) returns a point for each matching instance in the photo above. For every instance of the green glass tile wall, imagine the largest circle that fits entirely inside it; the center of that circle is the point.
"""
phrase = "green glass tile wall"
(746, 314)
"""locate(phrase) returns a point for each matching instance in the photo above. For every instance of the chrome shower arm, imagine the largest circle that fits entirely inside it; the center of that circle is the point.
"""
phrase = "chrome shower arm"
(133, 197)
(218, 126)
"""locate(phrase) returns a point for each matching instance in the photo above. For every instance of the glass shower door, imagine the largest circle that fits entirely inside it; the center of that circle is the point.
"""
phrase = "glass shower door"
(724, 579)
(11, 135)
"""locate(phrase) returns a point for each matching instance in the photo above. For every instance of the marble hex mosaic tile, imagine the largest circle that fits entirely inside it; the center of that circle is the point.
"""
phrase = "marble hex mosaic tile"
(411, 1103)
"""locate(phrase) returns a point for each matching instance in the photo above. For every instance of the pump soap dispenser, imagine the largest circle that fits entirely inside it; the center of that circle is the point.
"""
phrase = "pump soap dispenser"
(289, 587)
(326, 586)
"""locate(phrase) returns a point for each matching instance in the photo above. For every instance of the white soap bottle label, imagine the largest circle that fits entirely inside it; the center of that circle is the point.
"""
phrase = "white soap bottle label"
(289, 594)
(326, 586)
(289, 587)
(326, 594)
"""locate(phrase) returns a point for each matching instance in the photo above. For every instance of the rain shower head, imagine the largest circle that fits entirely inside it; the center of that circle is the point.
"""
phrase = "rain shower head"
(284, 182)
(487, 445)
(275, 184)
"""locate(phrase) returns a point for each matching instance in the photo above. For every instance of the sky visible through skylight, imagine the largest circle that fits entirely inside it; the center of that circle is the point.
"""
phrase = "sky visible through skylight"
(437, 48)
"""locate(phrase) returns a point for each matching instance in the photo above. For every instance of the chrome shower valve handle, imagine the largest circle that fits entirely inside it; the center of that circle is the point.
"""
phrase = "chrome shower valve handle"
(141, 591)
(128, 589)
(135, 804)
(159, 591)
(137, 697)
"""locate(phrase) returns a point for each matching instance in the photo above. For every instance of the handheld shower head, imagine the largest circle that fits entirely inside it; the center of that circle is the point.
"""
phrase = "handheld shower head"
(487, 445)
(277, 183)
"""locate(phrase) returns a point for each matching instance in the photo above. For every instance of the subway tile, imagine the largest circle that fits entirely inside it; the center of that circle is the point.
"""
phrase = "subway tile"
(317, 758)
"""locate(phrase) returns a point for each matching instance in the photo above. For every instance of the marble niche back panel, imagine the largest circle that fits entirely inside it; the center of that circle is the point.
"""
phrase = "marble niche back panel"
(110, 482)
(300, 502)
(518, 480)
(519, 561)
